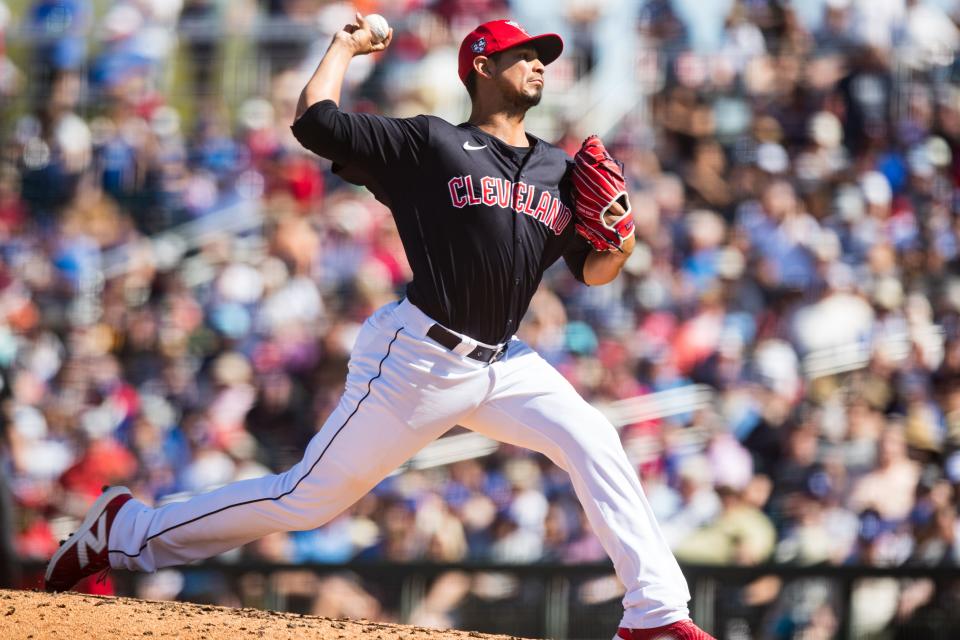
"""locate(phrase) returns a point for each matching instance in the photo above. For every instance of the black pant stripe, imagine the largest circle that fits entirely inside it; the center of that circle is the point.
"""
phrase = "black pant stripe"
(297, 484)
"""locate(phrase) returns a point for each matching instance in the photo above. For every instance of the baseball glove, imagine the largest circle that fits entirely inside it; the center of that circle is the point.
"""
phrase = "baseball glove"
(597, 183)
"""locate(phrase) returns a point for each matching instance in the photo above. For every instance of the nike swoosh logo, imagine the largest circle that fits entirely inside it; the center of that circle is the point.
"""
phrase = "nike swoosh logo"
(469, 147)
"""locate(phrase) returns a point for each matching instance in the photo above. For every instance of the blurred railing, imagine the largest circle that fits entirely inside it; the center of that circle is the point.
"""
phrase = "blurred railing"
(896, 347)
(662, 404)
(572, 602)
(169, 248)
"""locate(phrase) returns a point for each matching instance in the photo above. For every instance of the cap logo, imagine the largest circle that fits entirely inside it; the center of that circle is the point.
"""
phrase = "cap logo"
(479, 46)
(517, 26)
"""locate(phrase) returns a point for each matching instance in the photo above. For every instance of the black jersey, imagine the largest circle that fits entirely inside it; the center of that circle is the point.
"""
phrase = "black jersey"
(480, 220)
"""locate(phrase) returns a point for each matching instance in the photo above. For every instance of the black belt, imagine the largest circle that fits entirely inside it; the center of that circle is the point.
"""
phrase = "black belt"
(451, 341)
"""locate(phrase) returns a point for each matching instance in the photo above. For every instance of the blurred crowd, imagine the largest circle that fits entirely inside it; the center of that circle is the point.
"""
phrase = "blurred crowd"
(794, 170)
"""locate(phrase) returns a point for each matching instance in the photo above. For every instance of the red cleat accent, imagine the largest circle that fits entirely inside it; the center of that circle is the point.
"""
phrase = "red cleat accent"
(682, 630)
(84, 553)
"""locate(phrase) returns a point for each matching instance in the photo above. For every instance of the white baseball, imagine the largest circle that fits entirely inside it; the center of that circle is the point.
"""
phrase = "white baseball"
(378, 27)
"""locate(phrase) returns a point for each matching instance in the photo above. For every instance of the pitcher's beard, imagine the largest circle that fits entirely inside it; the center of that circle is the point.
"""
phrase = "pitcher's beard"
(531, 100)
(520, 101)
(528, 100)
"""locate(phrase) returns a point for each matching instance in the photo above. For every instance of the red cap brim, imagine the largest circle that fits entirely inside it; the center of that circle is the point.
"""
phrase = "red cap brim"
(548, 45)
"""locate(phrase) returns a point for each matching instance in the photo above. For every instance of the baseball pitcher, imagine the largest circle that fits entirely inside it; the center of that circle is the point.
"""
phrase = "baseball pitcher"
(483, 208)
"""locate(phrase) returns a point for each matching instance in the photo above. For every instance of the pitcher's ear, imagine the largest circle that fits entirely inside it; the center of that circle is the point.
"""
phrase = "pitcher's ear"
(481, 64)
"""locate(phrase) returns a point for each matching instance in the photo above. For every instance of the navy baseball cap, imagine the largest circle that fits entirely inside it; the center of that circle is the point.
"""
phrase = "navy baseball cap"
(500, 35)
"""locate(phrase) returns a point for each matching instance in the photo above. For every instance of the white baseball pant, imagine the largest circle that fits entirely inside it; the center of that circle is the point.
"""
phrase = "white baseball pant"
(403, 390)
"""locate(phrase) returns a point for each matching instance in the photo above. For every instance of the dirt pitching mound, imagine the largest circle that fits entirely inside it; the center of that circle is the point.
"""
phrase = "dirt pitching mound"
(68, 616)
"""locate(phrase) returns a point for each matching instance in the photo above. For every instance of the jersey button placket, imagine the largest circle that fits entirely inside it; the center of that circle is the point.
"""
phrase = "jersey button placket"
(516, 264)
(517, 235)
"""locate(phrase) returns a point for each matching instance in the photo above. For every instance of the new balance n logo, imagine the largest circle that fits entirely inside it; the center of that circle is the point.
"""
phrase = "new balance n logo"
(97, 542)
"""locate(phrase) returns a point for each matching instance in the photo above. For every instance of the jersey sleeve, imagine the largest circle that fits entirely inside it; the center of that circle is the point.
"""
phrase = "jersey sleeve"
(576, 254)
(577, 250)
(363, 146)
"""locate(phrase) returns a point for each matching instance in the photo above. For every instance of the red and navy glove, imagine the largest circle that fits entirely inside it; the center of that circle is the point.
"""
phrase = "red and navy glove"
(598, 182)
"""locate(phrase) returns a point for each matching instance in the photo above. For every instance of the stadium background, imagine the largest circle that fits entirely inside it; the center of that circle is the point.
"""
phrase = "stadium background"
(180, 285)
